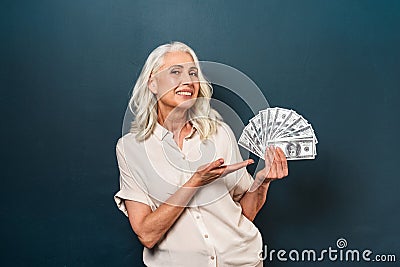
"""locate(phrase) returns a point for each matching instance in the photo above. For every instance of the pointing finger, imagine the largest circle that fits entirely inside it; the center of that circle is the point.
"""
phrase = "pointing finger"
(237, 166)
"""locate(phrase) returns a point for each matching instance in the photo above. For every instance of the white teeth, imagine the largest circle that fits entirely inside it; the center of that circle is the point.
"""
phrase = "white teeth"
(184, 93)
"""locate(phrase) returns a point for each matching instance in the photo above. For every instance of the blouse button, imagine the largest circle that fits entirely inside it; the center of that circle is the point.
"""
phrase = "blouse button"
(206, 236)
(212, 257)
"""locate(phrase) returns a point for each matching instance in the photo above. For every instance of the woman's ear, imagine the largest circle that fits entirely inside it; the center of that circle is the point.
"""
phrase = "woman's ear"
(152, 85)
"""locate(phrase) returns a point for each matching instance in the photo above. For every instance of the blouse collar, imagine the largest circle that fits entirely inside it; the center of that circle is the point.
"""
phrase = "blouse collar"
(160, 132)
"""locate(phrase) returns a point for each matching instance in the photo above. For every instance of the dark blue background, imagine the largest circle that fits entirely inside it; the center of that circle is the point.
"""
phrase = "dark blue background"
(66, 73)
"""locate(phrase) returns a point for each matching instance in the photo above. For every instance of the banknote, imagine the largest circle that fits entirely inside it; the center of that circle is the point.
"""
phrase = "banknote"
(245, 142)
(251, 132)
(257, 126)
(285, 123)
(283, 128)
(281, 116)
(296, 149)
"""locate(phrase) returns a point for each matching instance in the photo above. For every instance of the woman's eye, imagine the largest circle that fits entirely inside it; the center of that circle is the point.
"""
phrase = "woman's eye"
(175, 72)
(193, 73)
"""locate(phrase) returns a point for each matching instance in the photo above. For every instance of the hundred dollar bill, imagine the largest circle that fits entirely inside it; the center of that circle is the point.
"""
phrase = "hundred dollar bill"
(302, 132)
(292, 119)
(245, 142)
(284, 124)
(264, 118)
(296, 149)
(296, 123)
(280, 117)
(299, 127)
(256, 124)
(253, 136)
(273, 112)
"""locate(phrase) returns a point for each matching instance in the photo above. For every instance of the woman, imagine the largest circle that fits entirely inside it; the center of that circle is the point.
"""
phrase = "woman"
(183, 183)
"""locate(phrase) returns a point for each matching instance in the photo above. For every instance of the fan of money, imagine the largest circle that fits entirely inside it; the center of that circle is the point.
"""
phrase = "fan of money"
(282, 128)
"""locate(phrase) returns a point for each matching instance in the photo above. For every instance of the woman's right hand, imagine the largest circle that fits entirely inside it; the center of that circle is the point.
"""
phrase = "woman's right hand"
(209, 172)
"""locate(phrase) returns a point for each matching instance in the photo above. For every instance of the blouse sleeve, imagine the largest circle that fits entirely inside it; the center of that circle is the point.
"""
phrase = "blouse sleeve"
(242, 187)
(129, 189)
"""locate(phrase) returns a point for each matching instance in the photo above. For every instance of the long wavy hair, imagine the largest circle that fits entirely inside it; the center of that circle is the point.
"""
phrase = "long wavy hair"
(143, 103)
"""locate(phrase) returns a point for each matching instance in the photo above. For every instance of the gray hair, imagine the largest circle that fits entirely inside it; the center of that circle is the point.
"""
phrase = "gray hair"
(143, 103)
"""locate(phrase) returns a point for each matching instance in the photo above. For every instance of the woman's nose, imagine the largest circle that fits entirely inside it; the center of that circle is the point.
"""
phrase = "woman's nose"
(186, 79)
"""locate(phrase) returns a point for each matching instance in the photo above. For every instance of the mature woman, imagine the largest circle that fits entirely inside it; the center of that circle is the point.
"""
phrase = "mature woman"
(183, 183)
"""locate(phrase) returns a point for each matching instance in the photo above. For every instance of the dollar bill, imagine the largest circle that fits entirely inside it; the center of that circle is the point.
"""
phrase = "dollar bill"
(293, 118)
(256, 125)
(253, 136)
(304, 132)
(285, 123)
(296, 149)
(280, 127)
(280, 117)
(271, 115)
(266, 123)
(245, 142)
(263, 121)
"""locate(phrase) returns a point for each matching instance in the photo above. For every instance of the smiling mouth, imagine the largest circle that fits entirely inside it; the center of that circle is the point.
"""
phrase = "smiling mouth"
(185, 93)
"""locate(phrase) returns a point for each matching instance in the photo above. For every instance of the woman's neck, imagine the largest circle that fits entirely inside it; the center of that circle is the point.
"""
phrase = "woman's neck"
(173, 120)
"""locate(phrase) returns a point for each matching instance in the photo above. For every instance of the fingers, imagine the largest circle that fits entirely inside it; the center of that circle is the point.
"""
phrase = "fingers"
(217, 168)
(269, 160)
(273, 172)
(279, 168)
(214, 170)
(217, 163)
(283, 161)
(269, 156)
(276, 167)
(237, 166)
(212, 165)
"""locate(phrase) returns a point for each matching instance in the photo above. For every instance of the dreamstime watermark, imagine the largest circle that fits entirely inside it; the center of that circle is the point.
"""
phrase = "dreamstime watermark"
(339, 253)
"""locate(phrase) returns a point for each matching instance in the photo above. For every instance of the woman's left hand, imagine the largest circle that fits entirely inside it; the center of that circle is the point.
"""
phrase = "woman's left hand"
(276, 166)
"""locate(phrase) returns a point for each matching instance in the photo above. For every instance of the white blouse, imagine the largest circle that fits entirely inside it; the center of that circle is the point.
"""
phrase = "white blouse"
(211, 231)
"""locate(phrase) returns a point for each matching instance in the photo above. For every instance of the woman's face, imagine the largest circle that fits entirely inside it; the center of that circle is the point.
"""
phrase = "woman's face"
(176, 84)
